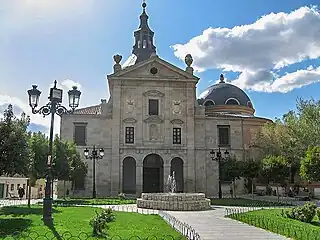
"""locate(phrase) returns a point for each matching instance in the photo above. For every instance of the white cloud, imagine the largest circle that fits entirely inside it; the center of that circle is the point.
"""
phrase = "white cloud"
(257, 50)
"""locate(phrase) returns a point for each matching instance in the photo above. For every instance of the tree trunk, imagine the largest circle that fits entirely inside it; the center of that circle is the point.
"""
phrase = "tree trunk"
(278, 193)
(252, 187)
(29, 193)
(64, 189)
(234, 188)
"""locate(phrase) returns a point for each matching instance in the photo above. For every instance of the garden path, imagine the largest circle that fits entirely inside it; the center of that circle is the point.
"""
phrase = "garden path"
(212, 225)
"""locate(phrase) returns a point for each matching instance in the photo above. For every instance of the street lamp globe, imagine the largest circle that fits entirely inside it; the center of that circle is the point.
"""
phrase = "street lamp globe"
(86, 152)
(101, 152)
(34, 95)
(74, 97)
(226, 153)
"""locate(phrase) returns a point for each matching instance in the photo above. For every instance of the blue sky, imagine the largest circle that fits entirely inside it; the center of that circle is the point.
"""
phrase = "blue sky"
(275, 60)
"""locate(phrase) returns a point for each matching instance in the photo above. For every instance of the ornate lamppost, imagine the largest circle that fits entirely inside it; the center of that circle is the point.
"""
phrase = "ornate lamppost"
(93, 156)
(219, 158)
(51, 108)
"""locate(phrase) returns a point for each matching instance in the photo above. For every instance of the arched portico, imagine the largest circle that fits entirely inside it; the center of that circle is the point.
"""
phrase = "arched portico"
(153, 173)
(129, 175)
(177, 167)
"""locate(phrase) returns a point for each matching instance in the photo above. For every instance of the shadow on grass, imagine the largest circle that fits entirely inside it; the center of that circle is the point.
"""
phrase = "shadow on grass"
(52, 228)
(22, 211)
(13, 226)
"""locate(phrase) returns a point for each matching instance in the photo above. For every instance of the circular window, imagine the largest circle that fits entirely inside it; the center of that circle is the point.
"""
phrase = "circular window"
(154, 71)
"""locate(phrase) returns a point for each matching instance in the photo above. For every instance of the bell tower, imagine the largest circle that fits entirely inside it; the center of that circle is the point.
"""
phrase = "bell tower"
(144, 37)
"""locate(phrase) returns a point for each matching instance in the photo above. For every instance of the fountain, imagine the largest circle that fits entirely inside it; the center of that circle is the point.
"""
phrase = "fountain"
(173, 201)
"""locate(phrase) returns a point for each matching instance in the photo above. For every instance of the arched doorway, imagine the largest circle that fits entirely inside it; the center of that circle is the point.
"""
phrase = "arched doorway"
(129, 175)
(152, 174)
(177, 167)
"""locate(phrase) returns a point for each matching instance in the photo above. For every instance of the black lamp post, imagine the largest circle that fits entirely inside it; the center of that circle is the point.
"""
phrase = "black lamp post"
(219, 158)
(51, 108)
(94, 155)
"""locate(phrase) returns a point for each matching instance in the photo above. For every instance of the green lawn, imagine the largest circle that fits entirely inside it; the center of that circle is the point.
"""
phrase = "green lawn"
(272, 220)
(75, 221)
(241, 202)
(97, 201)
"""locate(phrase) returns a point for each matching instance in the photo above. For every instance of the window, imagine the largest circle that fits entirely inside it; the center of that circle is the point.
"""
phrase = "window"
(80, 135)
(18, 186)
(153, 107)
(129, 135)
(232, 101)
(224, 135)
(176, 135)
(78, 183)
(24, 186)
(12, 187)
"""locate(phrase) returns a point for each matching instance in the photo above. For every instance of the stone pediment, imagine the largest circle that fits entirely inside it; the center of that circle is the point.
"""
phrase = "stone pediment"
(177, 121)
(129, 120)
(153, 93)
(153, 119)
(164, 70)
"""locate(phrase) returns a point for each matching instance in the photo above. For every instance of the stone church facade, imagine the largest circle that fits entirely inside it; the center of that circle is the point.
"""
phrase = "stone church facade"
(153, 124)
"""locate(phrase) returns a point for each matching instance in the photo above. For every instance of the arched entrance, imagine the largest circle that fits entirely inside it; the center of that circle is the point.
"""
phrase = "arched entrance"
(129, 175)
(177, 167)
(153, 174)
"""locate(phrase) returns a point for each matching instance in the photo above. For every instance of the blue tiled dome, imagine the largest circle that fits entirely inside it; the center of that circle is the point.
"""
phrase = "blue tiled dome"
(225, 94)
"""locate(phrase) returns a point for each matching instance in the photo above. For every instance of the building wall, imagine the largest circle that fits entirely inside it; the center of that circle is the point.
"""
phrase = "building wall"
(11, 185)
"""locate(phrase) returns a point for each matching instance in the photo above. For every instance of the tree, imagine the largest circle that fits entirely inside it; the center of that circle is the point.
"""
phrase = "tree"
(276, 168)
(310, 165)
(230, 171)
(251, 169)
(14, 152)
(79, 169)
(279, 139)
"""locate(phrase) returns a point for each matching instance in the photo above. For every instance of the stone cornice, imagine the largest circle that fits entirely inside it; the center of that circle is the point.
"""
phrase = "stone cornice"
(129, 120)
(153, 119)
(177, 121)
(153, 93)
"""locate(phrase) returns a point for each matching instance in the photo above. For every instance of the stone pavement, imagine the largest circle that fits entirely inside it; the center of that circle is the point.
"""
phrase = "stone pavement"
(212, 225)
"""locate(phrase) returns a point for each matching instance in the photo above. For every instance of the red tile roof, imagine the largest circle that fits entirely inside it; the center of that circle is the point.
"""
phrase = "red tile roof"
(92, 110)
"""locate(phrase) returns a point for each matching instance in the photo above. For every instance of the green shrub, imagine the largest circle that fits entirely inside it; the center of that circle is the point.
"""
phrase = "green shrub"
(318, 213)
(99, 222)
(122, 196)
(304, 214)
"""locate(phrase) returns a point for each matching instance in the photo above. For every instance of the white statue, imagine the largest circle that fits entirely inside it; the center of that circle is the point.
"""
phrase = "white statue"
(171, 183)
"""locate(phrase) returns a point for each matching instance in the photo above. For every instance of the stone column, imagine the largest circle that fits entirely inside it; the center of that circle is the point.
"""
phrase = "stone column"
(139, 179)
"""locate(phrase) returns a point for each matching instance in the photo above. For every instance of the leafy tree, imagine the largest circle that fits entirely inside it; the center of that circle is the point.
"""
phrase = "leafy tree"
(251, 169)
(61, 160)
(310, 165)
(38, 145)
(231, 170)
(276, 168)
(14, 152)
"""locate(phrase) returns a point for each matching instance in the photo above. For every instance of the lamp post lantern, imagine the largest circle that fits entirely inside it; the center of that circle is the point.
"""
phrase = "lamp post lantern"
(51, 108)
(93, 156)
(219, 158)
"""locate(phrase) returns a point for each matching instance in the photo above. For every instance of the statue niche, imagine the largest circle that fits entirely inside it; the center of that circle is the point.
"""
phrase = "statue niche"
(153, 132)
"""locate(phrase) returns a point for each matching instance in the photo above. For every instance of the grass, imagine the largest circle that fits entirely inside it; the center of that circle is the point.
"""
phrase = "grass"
(273, 221)
(97, 201)
(75, 221)
(241, 202)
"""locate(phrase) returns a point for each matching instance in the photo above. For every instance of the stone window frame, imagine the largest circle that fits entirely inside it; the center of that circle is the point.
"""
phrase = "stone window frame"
(226, 102)
(229, 137)
(157, 95)
(158, 100)
(177, 141)
(80, 124)
(127, 137)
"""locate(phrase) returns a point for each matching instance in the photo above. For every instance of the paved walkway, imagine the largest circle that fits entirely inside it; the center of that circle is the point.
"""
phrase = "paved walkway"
(212, 225)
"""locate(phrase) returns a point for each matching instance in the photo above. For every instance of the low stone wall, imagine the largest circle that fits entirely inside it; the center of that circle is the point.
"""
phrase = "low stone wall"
(174, 202)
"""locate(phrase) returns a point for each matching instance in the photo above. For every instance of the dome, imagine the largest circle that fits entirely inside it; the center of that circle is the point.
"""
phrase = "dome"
(225, 94)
